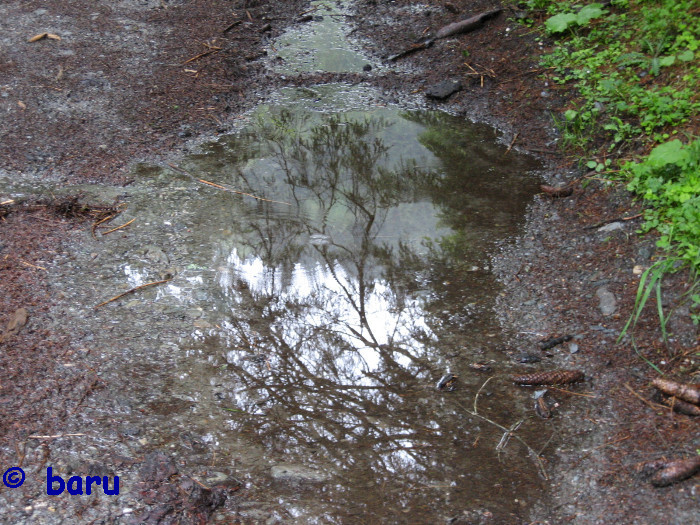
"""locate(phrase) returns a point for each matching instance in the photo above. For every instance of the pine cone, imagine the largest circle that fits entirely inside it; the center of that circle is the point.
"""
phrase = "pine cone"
(551, 377)
(676, 471)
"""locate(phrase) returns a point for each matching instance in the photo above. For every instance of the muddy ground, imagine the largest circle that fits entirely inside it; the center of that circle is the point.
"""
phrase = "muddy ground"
(132, 80)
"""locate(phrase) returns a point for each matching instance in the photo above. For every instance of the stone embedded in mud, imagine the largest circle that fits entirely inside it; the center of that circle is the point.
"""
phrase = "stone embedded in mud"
(299, 473)
(443, 89)
(608, 303)
(612, 227)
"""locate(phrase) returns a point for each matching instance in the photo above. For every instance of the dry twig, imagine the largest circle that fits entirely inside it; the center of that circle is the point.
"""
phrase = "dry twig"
(131, 291)
(119, 227)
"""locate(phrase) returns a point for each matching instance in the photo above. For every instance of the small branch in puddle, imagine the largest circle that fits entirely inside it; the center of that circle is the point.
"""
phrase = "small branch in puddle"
(131, 291)
(118, 227)
(219, 186)
(509, 432)
(240, 192)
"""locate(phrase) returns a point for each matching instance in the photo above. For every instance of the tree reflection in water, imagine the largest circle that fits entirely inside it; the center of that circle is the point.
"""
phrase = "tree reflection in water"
(338, 319)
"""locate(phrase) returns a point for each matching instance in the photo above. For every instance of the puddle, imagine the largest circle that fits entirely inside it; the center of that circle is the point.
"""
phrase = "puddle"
(319, 44)
(314, 307)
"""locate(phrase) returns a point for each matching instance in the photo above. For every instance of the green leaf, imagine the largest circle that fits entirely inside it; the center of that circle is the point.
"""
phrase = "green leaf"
(668, 153)
(667, 61)
(686, 56)
(570, 114)
(588, 13)
(591, 164)
(560, 23)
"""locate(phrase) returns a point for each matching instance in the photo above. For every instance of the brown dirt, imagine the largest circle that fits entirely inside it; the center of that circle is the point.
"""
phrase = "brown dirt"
(118, 87)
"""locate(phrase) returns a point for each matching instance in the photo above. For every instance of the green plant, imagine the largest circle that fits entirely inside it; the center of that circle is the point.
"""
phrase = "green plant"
(636, 77)
(669, 180)
(562, 22)
(599, 166)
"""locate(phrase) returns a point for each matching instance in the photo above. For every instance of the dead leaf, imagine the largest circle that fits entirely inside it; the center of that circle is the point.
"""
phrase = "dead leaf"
(41, 36)
(21, 104)
(38, 37)
(17, 320)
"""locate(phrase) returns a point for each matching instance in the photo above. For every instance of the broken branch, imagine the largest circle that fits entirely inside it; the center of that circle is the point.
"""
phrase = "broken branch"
(131, 291)
(463, 26)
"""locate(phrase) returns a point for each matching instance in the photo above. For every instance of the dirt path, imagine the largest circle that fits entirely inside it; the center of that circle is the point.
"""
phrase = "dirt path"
(132, 80)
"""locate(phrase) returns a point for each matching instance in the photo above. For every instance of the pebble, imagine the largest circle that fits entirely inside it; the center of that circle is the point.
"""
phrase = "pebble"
(608, 303)
(292, 472)
(612, 227)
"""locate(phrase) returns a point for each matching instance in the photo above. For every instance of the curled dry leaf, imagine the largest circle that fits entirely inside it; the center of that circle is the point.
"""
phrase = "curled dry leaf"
(448, 382)
(41, 36)
(689, 393)
(551, 377)
(480, 367)
(542, 408)
(38, 37)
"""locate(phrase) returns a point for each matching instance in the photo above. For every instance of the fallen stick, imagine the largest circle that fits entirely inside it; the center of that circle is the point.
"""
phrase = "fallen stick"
(131, 291)
(464, 26)
(512, 142)
(33, 265)
(119, 227)
(651, 405)
(415, 47)
(105, 219)
(219, 186)
(200, 56)
(231, 26)
(608, 221)
(554, 341)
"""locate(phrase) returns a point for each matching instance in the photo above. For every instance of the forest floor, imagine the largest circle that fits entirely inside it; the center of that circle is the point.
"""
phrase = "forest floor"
(135, 80)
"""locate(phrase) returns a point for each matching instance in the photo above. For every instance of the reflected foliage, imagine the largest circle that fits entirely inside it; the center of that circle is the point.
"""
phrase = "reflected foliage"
(331, 350)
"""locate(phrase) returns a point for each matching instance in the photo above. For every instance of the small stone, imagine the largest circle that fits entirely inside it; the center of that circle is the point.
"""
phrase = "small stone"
(612, 227)
(608, 303)
(573, 348)
(443, 89)
(528, 358)
(299, 473)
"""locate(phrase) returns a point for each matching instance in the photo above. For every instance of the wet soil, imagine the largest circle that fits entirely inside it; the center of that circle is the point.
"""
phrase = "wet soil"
(136, 80)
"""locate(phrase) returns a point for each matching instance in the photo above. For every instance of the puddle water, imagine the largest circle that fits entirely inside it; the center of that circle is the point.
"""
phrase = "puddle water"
(319, 45)
(329, 264)
(313, 310)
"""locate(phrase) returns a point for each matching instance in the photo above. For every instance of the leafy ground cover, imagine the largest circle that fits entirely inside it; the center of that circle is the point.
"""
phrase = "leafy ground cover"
(634, 65)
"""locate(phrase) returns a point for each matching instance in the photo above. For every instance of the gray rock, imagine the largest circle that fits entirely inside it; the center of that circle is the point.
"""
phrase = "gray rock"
(612, 227)
(443, 89)
(299, 473)
(608, 303)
